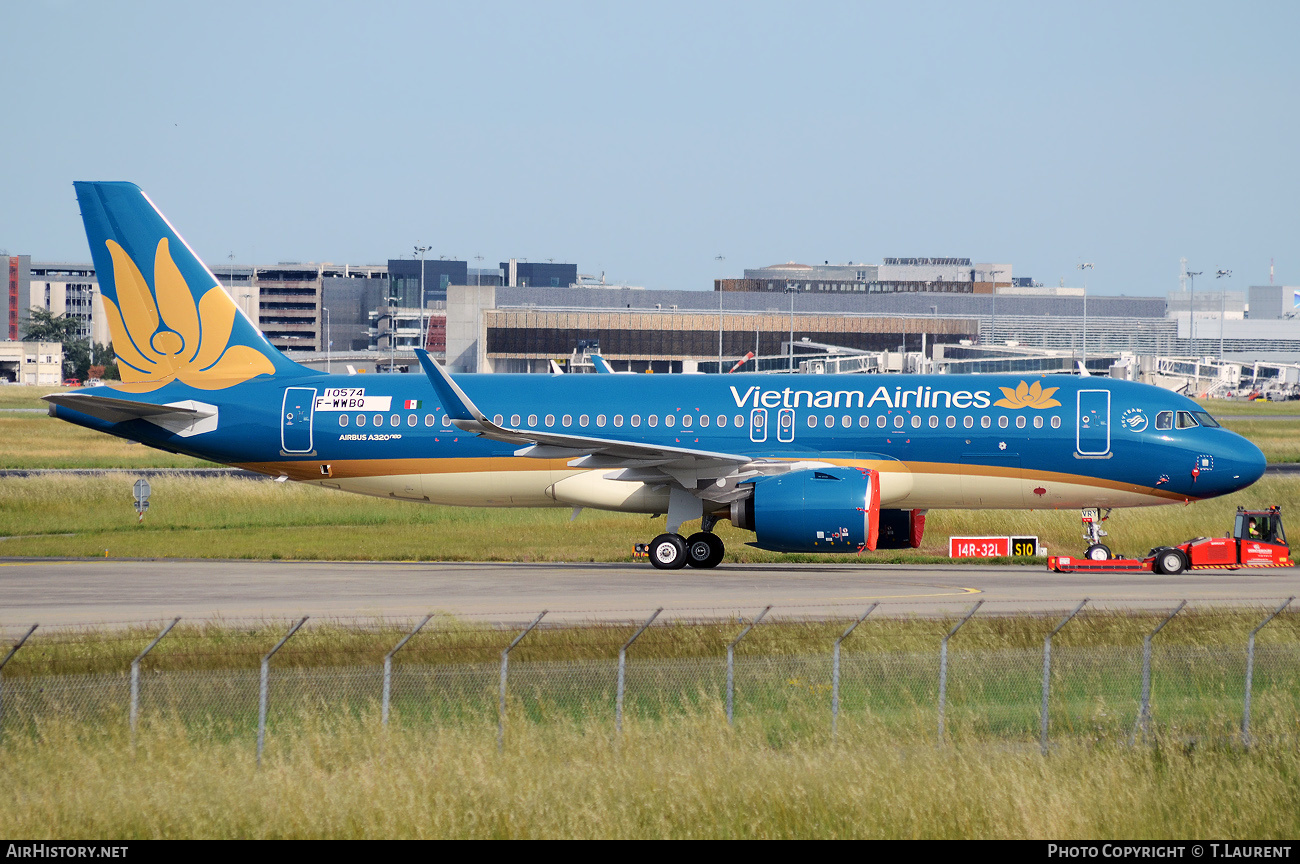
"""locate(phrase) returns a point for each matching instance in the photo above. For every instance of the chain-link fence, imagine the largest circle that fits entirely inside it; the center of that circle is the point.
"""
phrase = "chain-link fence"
(1103, 676)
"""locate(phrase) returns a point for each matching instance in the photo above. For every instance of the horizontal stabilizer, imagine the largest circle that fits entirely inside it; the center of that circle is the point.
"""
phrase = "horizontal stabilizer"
(183, 418)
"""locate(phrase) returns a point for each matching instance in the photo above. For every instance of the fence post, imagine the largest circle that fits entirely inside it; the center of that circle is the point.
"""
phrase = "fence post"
(622, 667)
(135, 675)
(262, 690)
(4, 662)
(1250, 670)
(1047, 669)
(388, 667)
(1144, 713)
(505, 663)
(835, 668)
(943, 665)
(731, 663)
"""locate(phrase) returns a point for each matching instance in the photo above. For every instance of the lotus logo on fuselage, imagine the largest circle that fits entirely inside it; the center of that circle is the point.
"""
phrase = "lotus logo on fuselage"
(1027, 396)
(162, 335)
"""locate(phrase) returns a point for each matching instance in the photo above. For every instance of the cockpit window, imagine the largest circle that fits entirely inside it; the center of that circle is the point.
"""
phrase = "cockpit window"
(1186, 420)
(1207, 420)
(1165, 420)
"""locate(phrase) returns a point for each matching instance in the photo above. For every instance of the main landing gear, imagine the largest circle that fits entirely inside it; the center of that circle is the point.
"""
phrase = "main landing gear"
(672, 551)
(1092, 532)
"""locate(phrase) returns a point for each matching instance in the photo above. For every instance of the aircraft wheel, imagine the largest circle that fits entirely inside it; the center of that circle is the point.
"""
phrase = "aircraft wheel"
(1171, 562)
(704, 550)
(668, 552)
(1098, 552)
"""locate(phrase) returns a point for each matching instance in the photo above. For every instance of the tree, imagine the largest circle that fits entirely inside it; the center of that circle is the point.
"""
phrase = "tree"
(45, 326)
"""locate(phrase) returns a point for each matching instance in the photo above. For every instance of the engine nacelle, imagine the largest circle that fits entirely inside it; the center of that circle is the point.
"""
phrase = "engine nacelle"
(814, 510)
(901, 529)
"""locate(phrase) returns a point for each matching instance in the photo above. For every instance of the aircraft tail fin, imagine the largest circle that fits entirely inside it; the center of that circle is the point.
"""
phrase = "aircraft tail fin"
(169, 317)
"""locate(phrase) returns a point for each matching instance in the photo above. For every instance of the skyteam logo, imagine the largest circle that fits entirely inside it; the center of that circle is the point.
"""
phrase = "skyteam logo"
(1134, 420)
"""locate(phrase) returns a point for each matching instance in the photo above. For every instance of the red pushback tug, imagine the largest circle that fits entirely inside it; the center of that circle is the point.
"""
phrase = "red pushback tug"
(1257, 540)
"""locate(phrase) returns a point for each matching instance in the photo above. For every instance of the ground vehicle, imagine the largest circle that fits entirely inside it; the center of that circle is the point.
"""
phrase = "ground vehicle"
(1256, 540)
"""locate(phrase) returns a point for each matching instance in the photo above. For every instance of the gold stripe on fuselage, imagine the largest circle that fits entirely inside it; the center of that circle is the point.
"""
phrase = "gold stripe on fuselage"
(522, 481)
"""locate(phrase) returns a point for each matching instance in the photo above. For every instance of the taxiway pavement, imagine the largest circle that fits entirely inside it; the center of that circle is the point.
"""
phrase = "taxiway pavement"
(94, 591)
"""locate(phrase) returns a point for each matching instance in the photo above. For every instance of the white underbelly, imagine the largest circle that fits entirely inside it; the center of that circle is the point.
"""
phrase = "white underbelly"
(461, 489)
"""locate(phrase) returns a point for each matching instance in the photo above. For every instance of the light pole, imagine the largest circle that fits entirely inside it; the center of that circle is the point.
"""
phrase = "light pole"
(328, 343)
(1191, 307)
(1223, 308)
(993, 325)
(392, 334)
(789, 289)
(719, 258)
(478, 271)
(1083, 267)
(420, 250)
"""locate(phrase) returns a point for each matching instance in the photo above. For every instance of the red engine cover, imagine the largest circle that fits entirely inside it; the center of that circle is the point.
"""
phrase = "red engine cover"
(918, 528)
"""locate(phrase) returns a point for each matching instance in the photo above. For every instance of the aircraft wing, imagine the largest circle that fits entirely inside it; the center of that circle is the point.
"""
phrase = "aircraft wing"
(685, 467)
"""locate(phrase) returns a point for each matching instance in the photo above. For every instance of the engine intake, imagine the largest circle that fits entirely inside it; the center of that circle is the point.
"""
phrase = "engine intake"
(814, 510)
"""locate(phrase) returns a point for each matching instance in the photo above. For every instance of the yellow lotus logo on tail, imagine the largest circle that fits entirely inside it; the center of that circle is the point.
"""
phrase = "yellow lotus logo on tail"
(157, 341)
(1028, 396)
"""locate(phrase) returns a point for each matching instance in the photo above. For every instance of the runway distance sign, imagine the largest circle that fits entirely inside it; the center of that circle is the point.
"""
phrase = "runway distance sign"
(992, 547)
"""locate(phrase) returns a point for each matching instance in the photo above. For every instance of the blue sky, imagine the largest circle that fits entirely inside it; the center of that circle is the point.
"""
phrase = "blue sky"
(643, 140)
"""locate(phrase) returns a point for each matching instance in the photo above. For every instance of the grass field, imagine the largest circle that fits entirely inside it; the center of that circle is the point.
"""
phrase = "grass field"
(685, 777)
(1231, 407)
(446, 640)
(202, 517)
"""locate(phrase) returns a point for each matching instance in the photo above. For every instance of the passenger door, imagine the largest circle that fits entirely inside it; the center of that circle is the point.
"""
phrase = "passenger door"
(1092, 423)
(296, 414)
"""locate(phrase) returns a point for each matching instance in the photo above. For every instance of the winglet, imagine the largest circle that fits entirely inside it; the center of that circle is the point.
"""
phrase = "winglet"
(601, 364)
(458, 405)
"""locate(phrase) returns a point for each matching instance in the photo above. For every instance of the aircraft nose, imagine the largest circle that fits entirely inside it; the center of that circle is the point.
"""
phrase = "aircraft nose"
(1248, 463)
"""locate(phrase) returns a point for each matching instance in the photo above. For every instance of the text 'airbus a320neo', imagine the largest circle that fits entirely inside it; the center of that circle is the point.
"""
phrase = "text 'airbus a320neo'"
(826, 463)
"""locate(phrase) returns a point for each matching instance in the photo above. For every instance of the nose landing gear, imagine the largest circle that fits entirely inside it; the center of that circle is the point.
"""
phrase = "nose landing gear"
(1092, 532)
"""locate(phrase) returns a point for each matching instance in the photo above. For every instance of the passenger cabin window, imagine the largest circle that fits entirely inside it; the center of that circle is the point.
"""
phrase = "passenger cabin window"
(411, 419)
(1207, 420)
(428, 420)
(1165, 420)
(1186, 420)
(670, 419)
(361, 419)
(496, 418)
(880, 421)
(343, 419)
(687, 420)
(600, 420)
(514, 419)
(1056, 422)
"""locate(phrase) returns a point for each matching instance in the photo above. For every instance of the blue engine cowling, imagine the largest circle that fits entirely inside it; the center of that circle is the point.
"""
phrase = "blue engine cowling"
(814, 510)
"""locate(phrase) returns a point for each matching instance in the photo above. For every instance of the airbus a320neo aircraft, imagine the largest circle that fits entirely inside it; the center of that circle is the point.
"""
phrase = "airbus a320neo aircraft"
(808, 463)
